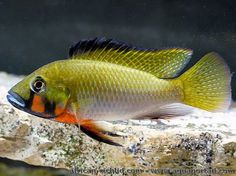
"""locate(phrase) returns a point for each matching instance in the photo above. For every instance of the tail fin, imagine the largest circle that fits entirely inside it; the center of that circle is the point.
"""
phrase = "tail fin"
(207, 84)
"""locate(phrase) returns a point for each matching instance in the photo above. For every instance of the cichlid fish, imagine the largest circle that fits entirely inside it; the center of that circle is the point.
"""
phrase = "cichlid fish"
(108, 80)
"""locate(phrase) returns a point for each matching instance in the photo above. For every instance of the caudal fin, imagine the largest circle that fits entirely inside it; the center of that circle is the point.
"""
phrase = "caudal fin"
(207, 84)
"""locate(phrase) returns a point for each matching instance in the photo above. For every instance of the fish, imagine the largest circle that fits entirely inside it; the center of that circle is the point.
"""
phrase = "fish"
(106, 80)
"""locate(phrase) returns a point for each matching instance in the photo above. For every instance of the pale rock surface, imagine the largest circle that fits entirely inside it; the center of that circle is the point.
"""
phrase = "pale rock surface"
(201, 140)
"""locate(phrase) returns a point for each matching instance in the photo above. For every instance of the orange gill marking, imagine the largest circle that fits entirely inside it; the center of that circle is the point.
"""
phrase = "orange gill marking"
(58, 110)
(38, 104)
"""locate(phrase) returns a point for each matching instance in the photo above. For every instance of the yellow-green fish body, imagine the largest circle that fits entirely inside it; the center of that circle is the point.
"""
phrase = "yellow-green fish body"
(105, 91)
(106, 80)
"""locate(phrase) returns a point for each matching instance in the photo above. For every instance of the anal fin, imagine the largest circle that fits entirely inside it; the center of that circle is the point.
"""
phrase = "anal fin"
(169, 111)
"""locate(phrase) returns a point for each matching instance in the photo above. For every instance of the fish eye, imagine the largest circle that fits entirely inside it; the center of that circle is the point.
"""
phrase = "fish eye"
(38, 85)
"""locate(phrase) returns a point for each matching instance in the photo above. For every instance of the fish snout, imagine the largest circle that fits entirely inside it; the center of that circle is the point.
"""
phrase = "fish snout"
(15, 99)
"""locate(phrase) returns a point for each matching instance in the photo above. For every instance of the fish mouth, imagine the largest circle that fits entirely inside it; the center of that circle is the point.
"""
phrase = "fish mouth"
(16, 100)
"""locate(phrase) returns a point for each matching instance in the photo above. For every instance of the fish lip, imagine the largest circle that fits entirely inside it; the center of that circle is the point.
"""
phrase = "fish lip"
(16, 100)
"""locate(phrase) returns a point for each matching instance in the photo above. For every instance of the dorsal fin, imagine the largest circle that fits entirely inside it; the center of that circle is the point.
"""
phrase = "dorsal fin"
(166, 63)
(89, 45)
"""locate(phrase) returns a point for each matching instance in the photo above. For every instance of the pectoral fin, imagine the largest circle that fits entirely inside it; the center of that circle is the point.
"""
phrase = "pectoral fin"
(92, 129)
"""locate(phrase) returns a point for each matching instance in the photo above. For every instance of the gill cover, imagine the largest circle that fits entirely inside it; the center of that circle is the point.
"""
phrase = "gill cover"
(50, 98)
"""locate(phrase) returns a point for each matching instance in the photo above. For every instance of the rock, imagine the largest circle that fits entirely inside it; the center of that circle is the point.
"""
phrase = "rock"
(11, 167)
(201, 140)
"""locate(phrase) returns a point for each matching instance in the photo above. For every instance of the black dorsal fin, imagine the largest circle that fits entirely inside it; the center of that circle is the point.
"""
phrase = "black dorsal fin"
(166, 63)
(89, 45)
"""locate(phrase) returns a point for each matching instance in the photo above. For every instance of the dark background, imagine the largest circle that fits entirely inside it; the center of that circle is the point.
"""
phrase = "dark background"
(33, 33)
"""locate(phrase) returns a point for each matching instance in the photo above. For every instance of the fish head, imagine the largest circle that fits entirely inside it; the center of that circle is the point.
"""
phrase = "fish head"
(39, 95)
